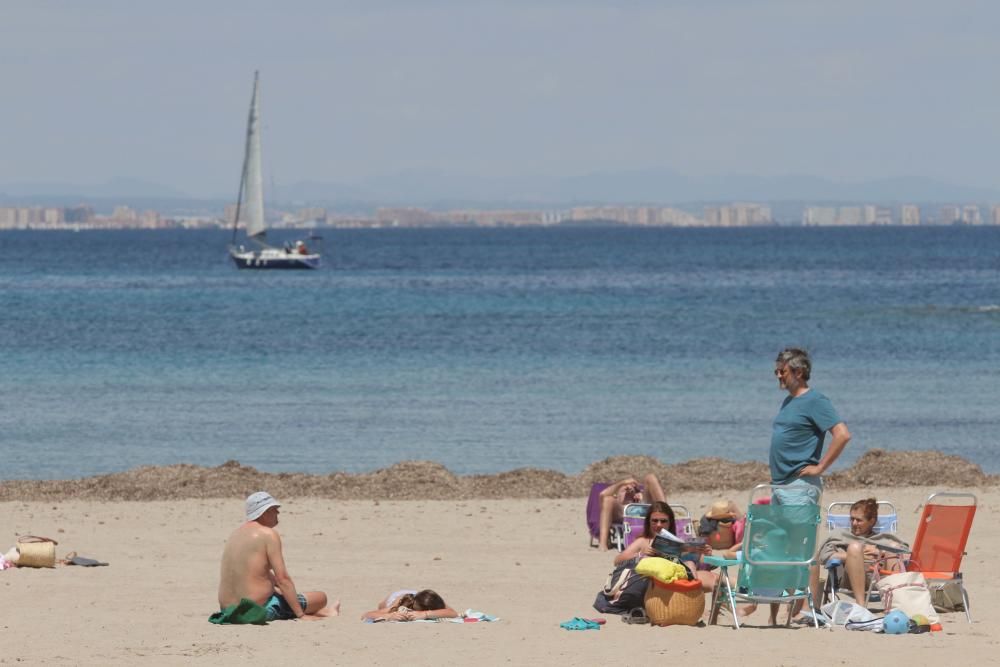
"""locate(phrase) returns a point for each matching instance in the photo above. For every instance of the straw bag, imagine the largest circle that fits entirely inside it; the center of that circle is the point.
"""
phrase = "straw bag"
(36, 551)
(681, 602)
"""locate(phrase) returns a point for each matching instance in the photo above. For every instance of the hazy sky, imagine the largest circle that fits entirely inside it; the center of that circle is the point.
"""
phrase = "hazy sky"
(158, 91)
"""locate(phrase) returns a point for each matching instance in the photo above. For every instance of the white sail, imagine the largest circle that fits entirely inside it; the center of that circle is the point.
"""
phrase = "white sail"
(252, 210)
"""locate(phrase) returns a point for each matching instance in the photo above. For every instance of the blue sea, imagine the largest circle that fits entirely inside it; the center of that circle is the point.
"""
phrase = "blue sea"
(489, 349)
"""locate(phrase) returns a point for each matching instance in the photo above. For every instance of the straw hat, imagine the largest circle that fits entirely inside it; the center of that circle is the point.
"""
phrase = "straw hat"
(722, 509)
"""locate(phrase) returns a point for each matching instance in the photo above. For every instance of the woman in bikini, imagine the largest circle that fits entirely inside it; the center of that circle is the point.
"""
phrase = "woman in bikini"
(410, 605)
(661, 516)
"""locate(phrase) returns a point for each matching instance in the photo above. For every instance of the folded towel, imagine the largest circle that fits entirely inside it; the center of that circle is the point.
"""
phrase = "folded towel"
(473, 616)
(661, 569)
(244, 612)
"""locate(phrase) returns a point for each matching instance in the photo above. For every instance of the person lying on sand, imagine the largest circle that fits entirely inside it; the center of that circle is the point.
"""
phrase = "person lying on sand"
(616, 496)
(410, 605)
(253, 567)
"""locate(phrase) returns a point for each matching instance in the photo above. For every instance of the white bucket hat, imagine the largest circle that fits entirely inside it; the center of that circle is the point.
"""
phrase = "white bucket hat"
(258, 503)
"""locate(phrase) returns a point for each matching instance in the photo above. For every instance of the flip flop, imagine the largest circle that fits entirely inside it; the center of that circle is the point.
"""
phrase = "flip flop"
(636, 617)
(806, 618)
(84, 562)
(578, 623)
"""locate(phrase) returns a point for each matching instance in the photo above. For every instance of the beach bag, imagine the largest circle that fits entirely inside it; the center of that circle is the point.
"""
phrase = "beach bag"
(681, 602)
(908, 592)
(36, 551)
(623, 591)
(946, 595)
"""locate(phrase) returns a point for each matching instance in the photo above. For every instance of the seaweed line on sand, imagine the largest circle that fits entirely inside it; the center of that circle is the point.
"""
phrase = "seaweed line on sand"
(411, 480)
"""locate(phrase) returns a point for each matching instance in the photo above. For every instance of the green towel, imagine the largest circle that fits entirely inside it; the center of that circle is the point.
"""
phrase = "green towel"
(243, 612)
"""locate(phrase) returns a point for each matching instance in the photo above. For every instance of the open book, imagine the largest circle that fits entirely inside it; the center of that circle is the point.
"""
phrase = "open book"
(668, 544)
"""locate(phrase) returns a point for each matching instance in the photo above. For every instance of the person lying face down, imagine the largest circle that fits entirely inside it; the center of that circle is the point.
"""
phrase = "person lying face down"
(410, 605)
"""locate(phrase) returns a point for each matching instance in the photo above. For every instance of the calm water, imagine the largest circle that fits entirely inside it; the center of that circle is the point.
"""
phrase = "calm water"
(488, 350)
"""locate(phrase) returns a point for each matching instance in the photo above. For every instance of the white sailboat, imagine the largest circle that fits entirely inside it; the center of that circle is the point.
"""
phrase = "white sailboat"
(250, 210)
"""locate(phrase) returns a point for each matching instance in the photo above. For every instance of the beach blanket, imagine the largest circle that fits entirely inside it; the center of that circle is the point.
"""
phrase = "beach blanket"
(244, 612)
(470, 616)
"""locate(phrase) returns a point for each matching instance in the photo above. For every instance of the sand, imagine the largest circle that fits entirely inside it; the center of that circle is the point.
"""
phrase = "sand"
(524, 560)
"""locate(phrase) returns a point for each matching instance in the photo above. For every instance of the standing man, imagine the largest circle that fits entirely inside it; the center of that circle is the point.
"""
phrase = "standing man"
(253, 567)
(797, 460)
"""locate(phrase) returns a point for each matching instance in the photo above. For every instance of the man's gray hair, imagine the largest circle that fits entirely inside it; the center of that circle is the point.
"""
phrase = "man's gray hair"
(796, 359)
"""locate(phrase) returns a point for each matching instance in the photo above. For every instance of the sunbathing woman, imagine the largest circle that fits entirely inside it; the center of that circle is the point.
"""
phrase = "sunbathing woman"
(621, 493)
(661, 516)
(857, 556)
(410, 605)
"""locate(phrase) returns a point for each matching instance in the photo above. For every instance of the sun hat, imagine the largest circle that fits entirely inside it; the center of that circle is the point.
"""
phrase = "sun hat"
(722, 509)
(258, 503)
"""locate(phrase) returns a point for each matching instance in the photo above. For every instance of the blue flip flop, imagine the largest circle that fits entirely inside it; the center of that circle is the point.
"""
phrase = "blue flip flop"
(579, 623)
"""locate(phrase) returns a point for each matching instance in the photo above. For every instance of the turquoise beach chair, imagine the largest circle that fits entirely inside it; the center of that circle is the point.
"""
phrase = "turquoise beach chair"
(779, 547)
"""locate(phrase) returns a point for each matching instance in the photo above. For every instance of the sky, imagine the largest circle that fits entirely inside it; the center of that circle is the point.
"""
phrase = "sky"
(351, 91)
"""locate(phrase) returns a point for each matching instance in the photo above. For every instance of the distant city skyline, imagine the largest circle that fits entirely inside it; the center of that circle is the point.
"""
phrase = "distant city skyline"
(492, 99)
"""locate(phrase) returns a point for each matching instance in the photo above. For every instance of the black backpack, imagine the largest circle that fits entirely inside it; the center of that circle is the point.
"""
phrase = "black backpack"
(623, 591)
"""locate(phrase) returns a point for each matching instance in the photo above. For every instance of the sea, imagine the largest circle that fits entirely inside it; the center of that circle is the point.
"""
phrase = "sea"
(488, 350)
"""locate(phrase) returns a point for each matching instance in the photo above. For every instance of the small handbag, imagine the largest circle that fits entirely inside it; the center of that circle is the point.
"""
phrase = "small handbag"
(36, 551)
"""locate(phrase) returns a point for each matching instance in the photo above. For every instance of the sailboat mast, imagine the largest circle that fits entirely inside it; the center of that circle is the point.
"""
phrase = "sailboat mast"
(250, 178)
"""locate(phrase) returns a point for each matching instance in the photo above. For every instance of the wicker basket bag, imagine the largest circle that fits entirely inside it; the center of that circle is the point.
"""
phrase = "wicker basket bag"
(681, 602)
(36, 551)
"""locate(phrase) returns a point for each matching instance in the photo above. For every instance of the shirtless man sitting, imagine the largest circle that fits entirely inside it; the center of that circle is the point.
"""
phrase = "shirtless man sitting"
(253, 567)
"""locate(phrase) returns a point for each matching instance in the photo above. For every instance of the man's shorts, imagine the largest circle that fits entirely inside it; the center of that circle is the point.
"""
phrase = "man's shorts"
(278, 610)
(800, 491)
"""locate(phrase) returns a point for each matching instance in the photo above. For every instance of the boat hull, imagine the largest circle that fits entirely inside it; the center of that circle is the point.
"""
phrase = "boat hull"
(274, 259)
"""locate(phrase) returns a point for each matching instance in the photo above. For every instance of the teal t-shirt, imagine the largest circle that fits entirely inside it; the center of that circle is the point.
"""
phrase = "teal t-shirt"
(798, 434)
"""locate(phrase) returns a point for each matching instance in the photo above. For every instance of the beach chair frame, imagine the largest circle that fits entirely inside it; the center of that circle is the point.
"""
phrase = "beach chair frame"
(632, 529)
(617, 534)
(941, 538)
(796, 568)
(838, 516)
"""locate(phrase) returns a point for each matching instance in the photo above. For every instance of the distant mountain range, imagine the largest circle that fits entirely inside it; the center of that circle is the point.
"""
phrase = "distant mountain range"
(443, 189)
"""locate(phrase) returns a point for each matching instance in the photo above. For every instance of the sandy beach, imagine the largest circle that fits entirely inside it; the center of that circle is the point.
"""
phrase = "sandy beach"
(525, 560)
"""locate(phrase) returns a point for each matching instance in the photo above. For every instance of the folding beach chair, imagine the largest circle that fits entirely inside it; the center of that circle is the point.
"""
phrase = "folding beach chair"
(778, 548)
(635, 518)
(940, 542)
(617, 536)
(838, 517)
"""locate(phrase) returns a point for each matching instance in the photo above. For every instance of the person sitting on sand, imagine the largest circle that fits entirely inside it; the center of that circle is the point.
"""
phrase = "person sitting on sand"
(616, 496)
(661, 516)
(410, 605)
(253, 567)
(857, 556)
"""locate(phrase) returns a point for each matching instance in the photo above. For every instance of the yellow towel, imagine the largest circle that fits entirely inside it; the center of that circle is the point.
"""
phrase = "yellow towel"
(661, 569)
